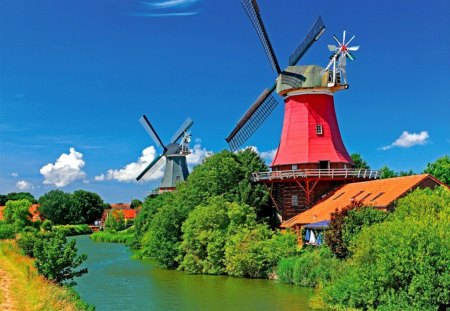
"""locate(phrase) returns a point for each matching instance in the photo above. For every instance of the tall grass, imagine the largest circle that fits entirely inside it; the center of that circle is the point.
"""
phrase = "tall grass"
(124, 236)
(30, 291)
(72, 230)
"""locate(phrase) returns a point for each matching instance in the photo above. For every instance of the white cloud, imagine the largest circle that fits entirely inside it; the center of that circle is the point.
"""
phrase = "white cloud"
(267, 156)
(169, 8)
(24, 185)
(14, 174)
(197, 155)
(408, 139)
(67, 169)
(171, 3)
(132, 170)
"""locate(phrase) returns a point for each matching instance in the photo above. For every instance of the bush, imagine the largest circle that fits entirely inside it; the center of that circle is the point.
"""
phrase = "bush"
(402, 263)
(314, 266)
(26, 242)
(115, 221)
(7, 231)
(56, 259)
(73, 230)
(18, 213)
(255, 251)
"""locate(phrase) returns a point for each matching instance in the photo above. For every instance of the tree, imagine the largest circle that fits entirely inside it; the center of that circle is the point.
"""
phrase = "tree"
(360, 163)
(440, 169)
(57, 206)
(346, 223)
(402, 263)
(115, 221)
(56, 259)
(14, 196)
(386, 172)
(18, 213)
(135, 203)
(3, 199)
(87, 207)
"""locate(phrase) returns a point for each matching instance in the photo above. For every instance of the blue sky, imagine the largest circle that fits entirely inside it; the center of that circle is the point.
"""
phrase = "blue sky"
(77, 75)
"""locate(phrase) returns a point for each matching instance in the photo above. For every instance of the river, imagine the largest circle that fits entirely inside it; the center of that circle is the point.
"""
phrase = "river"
(117, 282)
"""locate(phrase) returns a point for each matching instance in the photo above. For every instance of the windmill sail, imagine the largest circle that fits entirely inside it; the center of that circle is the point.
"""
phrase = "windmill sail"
(252, 119)
(151, 131)
(313, 35)
(183, 128)
(252, 10)
(151, 168)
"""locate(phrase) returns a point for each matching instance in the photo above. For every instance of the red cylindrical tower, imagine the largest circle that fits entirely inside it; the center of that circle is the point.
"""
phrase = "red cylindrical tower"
(310, 138)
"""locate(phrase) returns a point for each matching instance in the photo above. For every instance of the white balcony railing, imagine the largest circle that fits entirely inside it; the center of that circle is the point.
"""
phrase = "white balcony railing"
(316, 173)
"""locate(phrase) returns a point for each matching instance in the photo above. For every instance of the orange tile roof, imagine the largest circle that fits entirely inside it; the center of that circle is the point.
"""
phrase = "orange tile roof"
(378, 193)
(127, 214)
(121, 206)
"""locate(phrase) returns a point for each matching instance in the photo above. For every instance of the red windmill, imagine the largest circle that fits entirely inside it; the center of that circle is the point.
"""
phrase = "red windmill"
(311, 158)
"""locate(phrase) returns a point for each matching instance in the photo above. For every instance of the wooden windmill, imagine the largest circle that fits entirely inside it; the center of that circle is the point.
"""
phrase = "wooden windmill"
(311, 158)
(173, 155)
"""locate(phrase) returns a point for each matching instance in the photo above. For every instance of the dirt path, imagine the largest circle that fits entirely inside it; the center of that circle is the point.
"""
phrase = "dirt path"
(6, 304)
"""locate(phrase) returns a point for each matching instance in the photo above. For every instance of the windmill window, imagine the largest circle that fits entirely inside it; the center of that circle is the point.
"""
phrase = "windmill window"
(294, 201)
(294, 166)
(319, 129)
(377, 196)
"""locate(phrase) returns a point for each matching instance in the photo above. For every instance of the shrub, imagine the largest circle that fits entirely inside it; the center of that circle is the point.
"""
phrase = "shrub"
(73, 230)
(26, 242)
(18, 213)
(255, 251)
(285, 270)
(7, 231)
(56, 259)
(401, 262)
(115, 221)
(124, 236)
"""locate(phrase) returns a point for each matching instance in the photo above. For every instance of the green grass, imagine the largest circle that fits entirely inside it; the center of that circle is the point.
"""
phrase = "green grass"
(27, 290)
(124, 236)
(72, 230)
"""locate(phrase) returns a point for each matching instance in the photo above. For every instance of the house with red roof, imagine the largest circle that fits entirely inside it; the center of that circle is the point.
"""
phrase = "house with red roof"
(381, 194)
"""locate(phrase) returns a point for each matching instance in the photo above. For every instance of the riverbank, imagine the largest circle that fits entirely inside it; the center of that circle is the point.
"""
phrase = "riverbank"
(22, 288)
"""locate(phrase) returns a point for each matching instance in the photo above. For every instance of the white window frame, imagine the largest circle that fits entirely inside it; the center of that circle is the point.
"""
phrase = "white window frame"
(319, 129)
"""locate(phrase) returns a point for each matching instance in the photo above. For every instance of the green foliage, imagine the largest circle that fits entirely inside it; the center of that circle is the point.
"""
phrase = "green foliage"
(135, 203)
(72, 230)
(56, 206)
(359, 162)
(255, 251)
(386, 172)
(7, 231)
(26, 242)
(145, 216)
(402, 263)
(346, 224)
(18, 213)
(47, 225)
(204, 235)
(124, 236)
(314, 266)
(162, 240)
(87, 208)
(440, 169)
(57, 259)
(115, 221)
(62, 208)
(16, 196)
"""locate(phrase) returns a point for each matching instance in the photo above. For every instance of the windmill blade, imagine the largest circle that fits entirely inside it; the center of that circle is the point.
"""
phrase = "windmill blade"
(343, 38)
(350, 55)
(350, 40)
(151, 168)
(151, 131)
(353, 48)
(332, 47)
(252, 10)
(337, 40)
(252, 119)
(314, 34)
(184, 127)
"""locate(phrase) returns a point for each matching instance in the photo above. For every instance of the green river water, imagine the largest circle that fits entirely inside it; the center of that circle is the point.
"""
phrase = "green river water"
(117, 282)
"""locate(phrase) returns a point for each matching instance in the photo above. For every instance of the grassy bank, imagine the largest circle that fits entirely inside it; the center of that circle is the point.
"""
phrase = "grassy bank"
(124, 236)
(22, 288)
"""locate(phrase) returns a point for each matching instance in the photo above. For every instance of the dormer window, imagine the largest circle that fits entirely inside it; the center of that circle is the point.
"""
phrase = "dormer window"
(319, 129)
